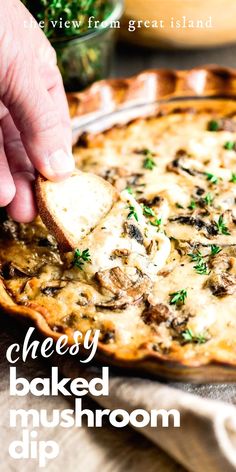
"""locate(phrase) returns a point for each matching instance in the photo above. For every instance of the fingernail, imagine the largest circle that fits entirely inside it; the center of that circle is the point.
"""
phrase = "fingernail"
(61, 163)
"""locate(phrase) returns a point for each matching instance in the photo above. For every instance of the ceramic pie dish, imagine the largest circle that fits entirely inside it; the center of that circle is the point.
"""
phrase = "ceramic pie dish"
(158, 275)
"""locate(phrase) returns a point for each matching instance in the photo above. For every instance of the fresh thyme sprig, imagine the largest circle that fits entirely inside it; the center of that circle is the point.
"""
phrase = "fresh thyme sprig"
(147, 211)
(148, 162)
(178, 298)
(213, 179)
(189, 337)
(233, 178)
(201, 268)
(196, 256)
(157, 222)
(213, 125)
(192, 205)
(215, 250)
(129, 190)
(221, 226)
(132, 213)
(230, 145)
(208, 199)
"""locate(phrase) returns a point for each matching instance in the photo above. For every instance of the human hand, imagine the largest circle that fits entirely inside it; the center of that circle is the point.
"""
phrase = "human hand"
(35, 132)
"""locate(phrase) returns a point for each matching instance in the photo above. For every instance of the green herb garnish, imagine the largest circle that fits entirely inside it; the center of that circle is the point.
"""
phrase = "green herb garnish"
(215, 250)
(75, 12)
(192, 205)
(190, 337)
(212, 178)
(229, 145)
(213, 125)
(178, 298)
(156, 222)
(132, 213)
(233, 178)
(178, 205)
(80, 258)
(208, 199)
(148, 162)
(71, 19)
(201, 268)
(147, 211)
(196, 256)
(221, 226)
(129, 190)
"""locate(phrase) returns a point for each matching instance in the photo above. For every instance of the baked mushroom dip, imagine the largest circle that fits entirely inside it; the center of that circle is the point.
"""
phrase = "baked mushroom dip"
(158, 274)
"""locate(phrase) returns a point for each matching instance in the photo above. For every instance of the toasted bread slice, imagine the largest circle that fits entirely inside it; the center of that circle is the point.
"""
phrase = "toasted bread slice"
(73, 207)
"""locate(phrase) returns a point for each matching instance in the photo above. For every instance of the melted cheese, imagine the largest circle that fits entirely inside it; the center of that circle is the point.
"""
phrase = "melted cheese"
(109, 236)
(184, 155)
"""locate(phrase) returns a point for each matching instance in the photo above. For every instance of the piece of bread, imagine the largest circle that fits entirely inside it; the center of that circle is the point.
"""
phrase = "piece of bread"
(73, 207)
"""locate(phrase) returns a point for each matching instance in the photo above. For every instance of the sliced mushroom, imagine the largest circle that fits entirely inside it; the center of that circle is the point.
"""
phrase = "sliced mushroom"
(9, 270)
(220, 262)
(199, 191)
(49, 242)
(153, 201)
(210, 228)
(52, 288)
(108, 337)
(125, 291)
(133, 232)
(121, 177)
(134, 179)
(114, 280)
(152, 249)
(177, 167)
(222, 284)
(179, 322)
(185, 247)
(121, 253)
(156, 314)
(180, 164)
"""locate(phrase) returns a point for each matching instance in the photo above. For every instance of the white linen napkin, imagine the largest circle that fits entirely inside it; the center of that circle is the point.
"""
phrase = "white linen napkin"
(206, 439)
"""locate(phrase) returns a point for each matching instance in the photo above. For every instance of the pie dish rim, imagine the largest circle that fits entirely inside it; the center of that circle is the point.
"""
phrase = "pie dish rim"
(165, 84)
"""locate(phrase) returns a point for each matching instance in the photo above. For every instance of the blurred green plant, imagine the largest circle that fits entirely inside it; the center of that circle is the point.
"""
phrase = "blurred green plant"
(54, 11)
(82, 58)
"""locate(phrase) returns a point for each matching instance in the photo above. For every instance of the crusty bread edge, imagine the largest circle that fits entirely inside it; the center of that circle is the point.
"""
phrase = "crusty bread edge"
(65, 243)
